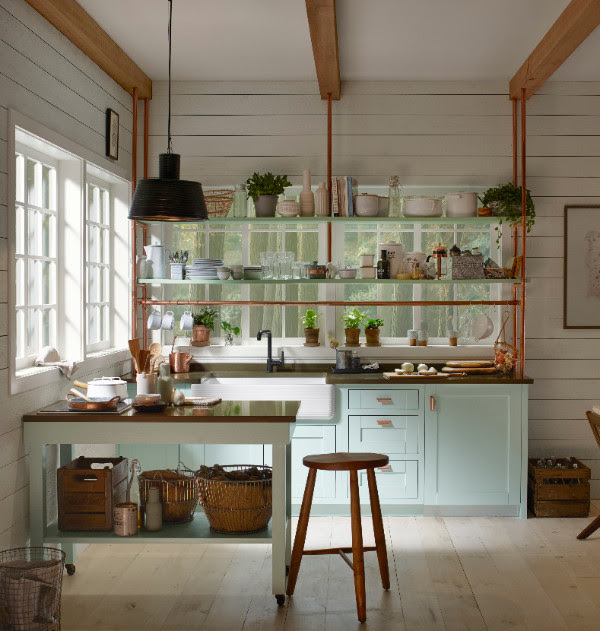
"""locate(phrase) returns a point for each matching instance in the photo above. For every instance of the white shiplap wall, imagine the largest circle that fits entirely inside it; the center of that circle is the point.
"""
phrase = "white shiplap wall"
(430, 133)
(45, 77)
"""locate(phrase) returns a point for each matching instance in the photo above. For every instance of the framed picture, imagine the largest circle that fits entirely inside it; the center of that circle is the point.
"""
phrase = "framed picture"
(582, 267)
(112, 134)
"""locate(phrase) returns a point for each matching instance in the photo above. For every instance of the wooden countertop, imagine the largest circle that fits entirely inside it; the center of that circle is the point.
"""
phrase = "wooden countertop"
(378, 378)
(224, 412)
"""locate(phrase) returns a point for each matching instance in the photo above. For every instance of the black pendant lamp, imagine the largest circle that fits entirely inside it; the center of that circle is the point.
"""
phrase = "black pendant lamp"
(167, 198)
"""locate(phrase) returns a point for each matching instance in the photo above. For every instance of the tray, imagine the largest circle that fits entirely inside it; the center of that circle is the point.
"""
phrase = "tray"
(392, 376)
(153, 407)
(60, 407)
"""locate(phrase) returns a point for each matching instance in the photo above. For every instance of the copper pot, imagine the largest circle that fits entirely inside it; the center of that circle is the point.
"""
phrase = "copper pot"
(180, 362)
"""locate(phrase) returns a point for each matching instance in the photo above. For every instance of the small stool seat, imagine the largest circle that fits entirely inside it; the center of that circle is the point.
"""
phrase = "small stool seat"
(351, 462)
(345, 461)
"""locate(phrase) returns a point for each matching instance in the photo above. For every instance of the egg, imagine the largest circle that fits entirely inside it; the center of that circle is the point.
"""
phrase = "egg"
(421, 367)
(407, 367)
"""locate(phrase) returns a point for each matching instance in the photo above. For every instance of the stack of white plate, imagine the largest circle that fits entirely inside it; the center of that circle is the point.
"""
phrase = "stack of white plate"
(203, 268)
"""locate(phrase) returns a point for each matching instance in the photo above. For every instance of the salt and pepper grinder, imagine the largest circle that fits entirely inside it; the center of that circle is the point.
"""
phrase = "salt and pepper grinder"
(165, 383)
(153, 510)
(322, 201)
(307, 197)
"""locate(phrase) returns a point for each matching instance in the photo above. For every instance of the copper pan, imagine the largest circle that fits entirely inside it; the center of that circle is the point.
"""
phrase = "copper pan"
(103, 405)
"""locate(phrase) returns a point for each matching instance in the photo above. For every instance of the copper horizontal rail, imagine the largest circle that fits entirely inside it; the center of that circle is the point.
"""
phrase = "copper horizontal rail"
(329, 303)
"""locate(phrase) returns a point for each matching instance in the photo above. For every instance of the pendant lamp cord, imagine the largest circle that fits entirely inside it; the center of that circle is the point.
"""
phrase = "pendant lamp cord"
(169, 141)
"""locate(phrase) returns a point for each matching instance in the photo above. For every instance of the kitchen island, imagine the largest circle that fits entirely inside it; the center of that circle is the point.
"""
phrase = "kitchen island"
(231, 422)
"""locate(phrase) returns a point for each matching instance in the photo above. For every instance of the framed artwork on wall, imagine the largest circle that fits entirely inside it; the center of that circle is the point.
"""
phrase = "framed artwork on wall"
(112, 134)
(582, 268)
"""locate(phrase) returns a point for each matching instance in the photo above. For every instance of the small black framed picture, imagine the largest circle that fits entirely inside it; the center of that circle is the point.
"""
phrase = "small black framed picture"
(112, 134)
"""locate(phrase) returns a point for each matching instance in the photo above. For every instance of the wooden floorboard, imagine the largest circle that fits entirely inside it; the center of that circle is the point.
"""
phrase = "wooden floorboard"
(451, 574)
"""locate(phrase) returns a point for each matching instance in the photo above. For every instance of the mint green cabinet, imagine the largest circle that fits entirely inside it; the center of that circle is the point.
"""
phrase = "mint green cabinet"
(473, 445)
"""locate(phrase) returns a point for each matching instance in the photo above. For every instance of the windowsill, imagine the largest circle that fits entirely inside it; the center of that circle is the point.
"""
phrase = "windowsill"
(39, 376)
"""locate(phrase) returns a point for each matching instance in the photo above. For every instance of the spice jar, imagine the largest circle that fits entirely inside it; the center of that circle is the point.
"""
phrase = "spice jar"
(422, 338)
(413, 334)
(452, 338)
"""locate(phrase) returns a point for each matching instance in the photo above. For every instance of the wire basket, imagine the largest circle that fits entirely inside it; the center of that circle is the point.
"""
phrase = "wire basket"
(218, 202)
(178, 493)
(30, 588)
(236, 506)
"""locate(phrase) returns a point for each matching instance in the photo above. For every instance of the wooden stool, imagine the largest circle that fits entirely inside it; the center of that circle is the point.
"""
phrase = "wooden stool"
(594, 421)
(351, 462)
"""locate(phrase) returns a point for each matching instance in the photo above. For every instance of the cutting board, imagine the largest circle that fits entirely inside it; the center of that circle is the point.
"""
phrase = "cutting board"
(469, 371)
(392, 376)
(480, 363)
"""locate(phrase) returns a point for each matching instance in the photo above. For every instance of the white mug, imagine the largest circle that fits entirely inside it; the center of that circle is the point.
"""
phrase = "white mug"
(187, 321)
(168, 321)
(154, 320)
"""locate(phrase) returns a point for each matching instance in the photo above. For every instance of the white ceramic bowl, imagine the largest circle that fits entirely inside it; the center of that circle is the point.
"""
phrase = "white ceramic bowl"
(422, 207)
(461, 204)
(366, 205)
(347, 273)
(223, 275)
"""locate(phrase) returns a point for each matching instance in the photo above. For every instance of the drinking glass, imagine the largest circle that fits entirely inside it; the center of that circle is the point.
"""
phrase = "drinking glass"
(286, 261)
(267, 260)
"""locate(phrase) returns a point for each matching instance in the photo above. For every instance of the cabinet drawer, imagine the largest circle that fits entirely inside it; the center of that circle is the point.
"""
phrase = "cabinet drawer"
(383, 399)
(384, 433)
(399, 482)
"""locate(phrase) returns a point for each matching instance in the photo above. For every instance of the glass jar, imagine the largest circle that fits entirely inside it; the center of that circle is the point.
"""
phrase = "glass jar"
(395, 201)
(239, 206)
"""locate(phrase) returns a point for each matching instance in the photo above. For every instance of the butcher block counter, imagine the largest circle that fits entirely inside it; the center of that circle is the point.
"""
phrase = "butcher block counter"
(229, 422)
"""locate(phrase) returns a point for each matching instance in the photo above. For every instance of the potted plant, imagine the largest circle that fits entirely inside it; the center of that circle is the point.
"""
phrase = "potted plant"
(372, 331)
(505, 202)
(229, 331)
(264, 190)
(311, 332)
(352, 322)
(204, 323)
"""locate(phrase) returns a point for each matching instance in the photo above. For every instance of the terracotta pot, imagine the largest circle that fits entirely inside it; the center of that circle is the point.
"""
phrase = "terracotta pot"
(312, 337)
(200, 335)
(352, 337)
(372, 337)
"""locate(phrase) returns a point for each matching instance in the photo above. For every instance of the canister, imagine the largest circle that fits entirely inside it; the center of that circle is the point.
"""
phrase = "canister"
(146, 383)
(342, 359)
(413, 334)
(125, 519)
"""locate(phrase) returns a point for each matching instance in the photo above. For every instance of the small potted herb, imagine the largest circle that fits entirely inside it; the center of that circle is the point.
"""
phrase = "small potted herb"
(372, 331)
(264, 191)
(229, 331)
(505, 202)
(311, 332)
(204, 323)
(352, 322)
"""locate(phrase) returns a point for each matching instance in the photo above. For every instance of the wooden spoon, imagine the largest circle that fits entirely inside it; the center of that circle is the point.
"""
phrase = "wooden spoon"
(134, 349)
(81, 395)
(155, 353)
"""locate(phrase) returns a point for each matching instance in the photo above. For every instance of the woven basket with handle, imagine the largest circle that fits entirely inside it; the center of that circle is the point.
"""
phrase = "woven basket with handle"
(218, 202)
(505, 354)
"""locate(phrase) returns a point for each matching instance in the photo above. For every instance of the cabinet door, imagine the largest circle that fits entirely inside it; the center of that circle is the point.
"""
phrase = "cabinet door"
(399, 480)
(473, 445)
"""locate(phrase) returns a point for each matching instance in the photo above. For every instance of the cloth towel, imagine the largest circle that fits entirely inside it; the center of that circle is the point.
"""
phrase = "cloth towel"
(49, 357)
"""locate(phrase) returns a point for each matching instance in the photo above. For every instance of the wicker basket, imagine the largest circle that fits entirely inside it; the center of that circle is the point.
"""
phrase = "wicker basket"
(177, 493)
(236, 507)
(505, 354)
(218, 202)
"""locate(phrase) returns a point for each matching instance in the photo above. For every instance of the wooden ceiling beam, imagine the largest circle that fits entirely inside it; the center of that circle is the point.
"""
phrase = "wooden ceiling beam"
(323, 35)
(572, 27)
(78, 26)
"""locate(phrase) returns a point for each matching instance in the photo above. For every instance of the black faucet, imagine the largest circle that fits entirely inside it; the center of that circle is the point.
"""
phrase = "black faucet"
(270, 361)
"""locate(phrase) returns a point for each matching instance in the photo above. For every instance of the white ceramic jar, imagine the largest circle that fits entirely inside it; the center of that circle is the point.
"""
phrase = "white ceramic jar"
(461, 204)
(422, 207)
(366, 205)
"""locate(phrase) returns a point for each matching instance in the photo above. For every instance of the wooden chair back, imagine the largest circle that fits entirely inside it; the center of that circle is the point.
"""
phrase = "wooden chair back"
(594, 421)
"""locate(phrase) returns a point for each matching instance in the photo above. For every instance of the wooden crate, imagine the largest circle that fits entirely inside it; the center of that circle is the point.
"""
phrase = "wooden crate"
(86, 496)
(559, 492)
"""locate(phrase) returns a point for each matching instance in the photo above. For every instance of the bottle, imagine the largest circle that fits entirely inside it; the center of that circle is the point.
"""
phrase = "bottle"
(133, 489)
(153, 510)
(383, 266)
(307, 198)
(165, 383)
(394, 197)
(239, 206)
(322, 201)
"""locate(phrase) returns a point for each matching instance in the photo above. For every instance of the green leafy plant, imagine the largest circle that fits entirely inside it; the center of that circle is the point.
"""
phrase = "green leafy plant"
(507, 202)
(374, 323)
(310, 319)
(354, 319)
(235, 330)
(266, 184)
(206, 317)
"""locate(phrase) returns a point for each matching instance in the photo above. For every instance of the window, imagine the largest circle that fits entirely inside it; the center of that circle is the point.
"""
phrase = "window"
(68, 228)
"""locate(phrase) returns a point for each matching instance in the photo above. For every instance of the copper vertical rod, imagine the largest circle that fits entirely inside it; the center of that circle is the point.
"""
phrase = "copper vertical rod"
(514, 141)
(515, 149)
(329, 170)
(133, 224)
(523, 227)
(146, 108)
(145, 226)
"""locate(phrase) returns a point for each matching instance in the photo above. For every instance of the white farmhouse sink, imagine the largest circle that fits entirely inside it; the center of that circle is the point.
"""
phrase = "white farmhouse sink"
(317, 398)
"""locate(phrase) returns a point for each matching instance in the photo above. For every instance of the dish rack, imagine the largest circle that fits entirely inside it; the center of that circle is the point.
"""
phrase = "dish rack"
(177, 493)
(218, 202)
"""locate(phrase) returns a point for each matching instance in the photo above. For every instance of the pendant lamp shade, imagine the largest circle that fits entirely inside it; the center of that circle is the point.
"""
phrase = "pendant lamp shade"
(167, 198)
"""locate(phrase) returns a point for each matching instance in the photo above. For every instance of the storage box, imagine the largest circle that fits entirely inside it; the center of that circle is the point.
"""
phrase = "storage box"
(463, 267)
(86, 496)
(555, 492)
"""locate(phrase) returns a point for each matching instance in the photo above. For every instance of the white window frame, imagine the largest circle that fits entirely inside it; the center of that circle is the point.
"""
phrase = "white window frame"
(71, 333)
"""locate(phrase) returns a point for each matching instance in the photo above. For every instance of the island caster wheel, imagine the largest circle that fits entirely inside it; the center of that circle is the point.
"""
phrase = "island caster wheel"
(70, 567)
(280, 600)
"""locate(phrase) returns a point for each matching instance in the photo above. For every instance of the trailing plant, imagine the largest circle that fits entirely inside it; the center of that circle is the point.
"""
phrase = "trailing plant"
(374, 323)
(507, 200)
(266, 184)
(206, 317)
(354, 319)
(310, 319)
(227, 328)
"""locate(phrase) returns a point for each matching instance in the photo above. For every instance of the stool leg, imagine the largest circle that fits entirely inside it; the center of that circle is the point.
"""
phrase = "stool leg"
(589, 529)
(378, 530)
(298, 550)
(358, 560)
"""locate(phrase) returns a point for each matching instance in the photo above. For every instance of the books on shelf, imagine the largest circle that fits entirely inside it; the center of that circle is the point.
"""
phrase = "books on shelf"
(342, 196)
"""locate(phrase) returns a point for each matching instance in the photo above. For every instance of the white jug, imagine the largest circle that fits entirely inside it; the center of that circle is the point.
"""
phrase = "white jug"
(157, 260)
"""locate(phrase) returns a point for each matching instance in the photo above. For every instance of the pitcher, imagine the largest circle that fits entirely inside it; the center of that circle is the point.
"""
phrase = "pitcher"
(157, 260)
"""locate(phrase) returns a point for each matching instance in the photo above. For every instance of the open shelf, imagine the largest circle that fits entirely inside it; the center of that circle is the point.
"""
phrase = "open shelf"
(334, 281)
(198, 529)
(461, 221)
